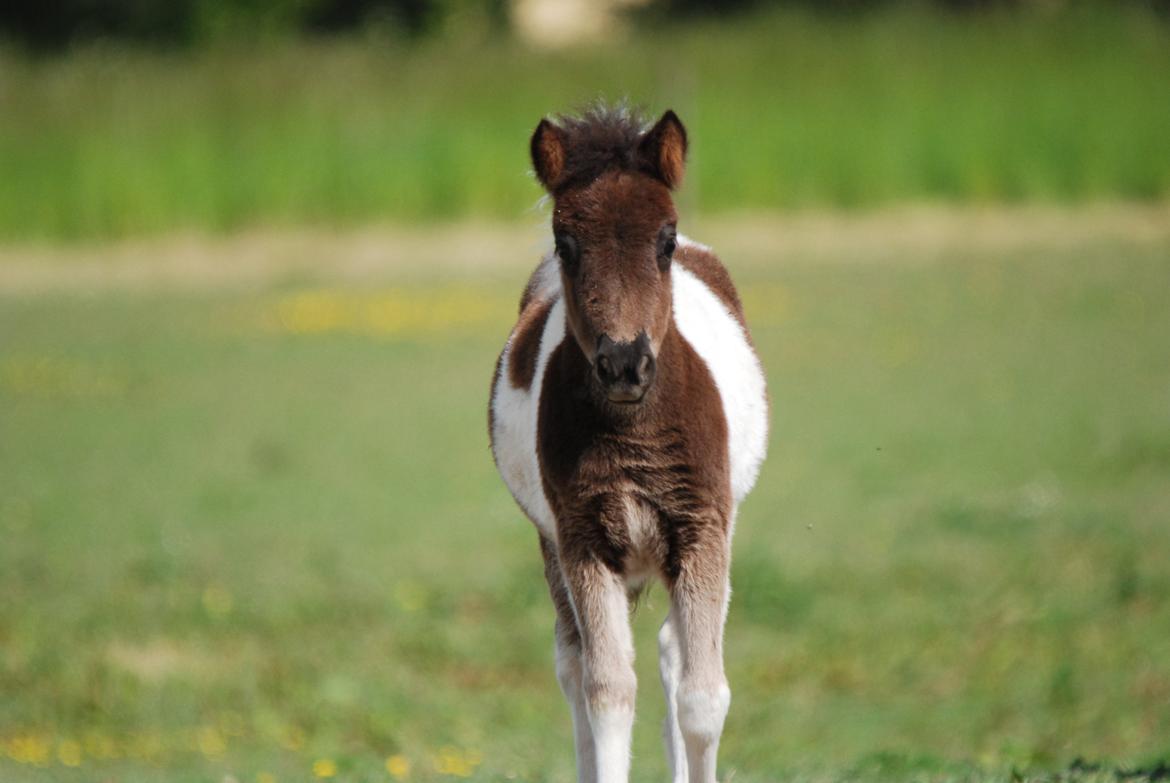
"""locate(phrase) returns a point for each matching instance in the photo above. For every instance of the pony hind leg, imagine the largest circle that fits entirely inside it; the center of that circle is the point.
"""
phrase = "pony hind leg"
(699, 606)
(570, 664)
(670, 670)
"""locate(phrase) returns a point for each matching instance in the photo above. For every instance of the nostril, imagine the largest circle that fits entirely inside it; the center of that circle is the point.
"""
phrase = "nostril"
(644, 367)
(604, 369)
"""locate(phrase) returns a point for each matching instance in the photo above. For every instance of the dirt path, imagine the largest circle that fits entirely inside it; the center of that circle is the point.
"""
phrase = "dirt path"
(257, 258)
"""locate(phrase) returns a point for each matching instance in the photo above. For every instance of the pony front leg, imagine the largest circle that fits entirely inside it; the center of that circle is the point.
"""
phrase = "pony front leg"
(699, 603)
(602, 609)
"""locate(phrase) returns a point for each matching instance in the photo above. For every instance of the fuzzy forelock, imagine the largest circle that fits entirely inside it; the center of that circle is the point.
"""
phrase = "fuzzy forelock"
(600, 138)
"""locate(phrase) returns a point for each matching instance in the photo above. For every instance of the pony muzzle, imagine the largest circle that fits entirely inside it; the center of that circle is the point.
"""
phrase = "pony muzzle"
(625, 370)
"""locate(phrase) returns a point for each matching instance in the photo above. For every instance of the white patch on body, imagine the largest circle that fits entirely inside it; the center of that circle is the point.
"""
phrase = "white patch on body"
(515, 411)
(685, 241)
(720, 341)
(547, 278)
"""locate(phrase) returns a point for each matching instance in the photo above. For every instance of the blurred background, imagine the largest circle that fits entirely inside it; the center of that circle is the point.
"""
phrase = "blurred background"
(257, 258)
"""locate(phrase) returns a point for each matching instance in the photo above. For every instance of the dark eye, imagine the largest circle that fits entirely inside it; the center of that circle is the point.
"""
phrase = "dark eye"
(567, 252)
(667, 243)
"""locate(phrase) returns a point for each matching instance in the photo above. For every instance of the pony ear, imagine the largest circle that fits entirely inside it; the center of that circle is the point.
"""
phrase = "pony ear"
(664, 149)
(548, 154)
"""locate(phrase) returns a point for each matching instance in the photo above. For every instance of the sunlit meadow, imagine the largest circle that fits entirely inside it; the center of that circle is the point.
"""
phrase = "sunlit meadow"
(250, 529)
(254, 533)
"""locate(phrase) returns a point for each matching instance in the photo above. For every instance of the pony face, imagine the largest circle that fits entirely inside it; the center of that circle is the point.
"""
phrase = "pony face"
(614, 239)
(614, 223)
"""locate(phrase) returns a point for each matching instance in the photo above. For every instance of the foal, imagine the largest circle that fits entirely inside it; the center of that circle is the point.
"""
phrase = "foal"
(629, 418)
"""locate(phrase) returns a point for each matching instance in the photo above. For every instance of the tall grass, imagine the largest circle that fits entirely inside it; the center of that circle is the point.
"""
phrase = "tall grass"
(785, 110)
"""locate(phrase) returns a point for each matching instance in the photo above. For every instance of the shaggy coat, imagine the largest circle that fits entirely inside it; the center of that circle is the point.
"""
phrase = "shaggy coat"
(628, 418)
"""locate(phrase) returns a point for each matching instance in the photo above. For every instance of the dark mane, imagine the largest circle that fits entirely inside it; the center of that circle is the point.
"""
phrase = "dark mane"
(599, 139)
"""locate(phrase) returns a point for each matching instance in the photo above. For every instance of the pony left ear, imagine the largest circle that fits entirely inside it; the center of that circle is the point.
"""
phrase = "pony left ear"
(664, 149)
(548, 154)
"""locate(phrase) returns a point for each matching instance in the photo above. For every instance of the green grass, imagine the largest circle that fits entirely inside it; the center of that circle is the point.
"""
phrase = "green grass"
(248, 533)
(784, 109)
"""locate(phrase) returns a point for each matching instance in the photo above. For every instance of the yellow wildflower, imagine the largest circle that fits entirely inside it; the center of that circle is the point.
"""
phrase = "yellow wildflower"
(265, 777)
(398, 766)
(453, 761)
(393, 312)
(69, 753)
(30, 749)
(311, 312)
(211, 742)
(324, 768)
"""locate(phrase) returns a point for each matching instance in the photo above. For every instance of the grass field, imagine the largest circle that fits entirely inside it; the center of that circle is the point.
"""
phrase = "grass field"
(252, 531)
(785, 110)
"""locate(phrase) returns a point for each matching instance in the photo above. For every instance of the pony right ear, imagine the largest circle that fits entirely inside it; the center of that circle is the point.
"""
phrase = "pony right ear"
(664, 148)
(548, 154)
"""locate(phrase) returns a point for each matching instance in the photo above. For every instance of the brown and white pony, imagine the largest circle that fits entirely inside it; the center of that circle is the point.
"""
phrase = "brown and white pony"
(629, 419)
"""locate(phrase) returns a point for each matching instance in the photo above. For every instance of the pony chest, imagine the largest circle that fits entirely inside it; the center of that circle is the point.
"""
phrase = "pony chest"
(546, 439)
(673, 447)
(580, 466)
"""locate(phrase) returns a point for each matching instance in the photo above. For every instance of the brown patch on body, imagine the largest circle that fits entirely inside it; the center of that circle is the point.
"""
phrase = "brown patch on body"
(526, 344)
(669, 455)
